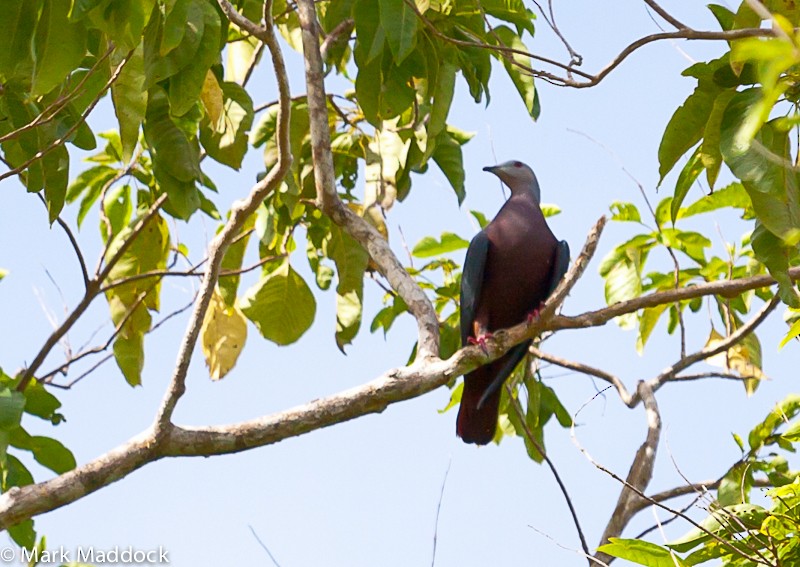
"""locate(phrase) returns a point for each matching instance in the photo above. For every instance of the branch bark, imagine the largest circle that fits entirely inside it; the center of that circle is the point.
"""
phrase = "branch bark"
(328, 198)
(640, 474)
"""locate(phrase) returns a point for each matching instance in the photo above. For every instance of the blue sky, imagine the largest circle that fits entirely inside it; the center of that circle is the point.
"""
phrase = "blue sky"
(366, 492)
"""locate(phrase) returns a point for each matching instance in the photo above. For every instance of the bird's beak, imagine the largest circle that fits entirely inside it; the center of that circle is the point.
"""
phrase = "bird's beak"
(491, 168)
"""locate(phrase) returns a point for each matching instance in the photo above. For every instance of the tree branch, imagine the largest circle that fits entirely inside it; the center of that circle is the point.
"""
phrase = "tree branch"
(92, 291)
(640, 474)
(328, 199)
(239, 213)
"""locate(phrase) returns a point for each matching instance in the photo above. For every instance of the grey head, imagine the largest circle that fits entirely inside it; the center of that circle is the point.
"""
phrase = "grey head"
(518, 176)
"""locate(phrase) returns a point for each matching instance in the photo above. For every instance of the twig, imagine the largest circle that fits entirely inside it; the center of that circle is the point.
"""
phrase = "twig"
(71, 130)
(670, 251)
(51, 111)
(92, 291)
(263, 546)
(74, 243)
(584, 369)
(532, 440)
(649, 500)
(666, 15)
(439, 509)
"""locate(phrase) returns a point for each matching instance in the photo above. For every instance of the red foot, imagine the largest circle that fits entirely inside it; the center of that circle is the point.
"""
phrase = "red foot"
(481, 341)
(535, 313)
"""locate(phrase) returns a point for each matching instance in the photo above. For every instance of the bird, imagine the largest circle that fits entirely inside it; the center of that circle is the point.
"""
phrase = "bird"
(511, 267)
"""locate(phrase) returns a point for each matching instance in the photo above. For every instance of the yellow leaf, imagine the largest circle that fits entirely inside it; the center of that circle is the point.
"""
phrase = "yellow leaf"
(213, 102)
(743, 358)
(222, 336)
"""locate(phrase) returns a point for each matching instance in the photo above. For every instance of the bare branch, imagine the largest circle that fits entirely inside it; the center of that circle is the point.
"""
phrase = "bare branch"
(239, 213)
(722, 287)
(666, 15)
(640, 474)
(73, 242)
(585, 369)
(721, 346)
(328, 199)
(92, 291)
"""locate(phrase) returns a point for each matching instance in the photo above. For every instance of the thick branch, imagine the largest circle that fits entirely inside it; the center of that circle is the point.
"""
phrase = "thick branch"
(328, 199)
(394, 386)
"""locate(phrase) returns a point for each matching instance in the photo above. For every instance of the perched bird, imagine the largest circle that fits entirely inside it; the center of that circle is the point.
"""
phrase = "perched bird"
(511, 268)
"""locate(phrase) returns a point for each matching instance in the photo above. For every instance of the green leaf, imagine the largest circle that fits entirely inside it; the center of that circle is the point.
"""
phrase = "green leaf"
(281, 305)
(522, 79)
(793, 332)
(784, 411)
(15, 474)
(624, 212)
(11, 405)
(129, 302)
(48, 452)
(686, 179)
(160, 66)
(734, 487)
(225, 138)
(449, 158)
(123, 20)
(736, 518)
(642, 553)
(130, 101)
(58, 46)
(232, 260)
(549, 210)
(41, 403)
(351, 262)
(52, 173)
(481, 218)
(399, 23)
(622, 270)
(185, 86)
(776, 256)
(386, 158)
(176, 160)
(709, 149)
(647, 322)
(129, 355)
(512, 11)
(443, 92)
(429, 246)
(23, 534)
(686, 126)
(733, 195)
(16, 33)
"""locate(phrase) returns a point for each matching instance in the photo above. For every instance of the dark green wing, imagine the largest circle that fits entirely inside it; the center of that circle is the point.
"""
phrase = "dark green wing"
(472, 281)
(560, 267)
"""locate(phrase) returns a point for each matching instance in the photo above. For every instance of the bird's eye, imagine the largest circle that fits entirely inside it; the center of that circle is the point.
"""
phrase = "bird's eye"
(517, 164)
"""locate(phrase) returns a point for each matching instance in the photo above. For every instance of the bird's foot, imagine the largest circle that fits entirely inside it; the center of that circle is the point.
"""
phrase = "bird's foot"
(535, 313)
(481, 341)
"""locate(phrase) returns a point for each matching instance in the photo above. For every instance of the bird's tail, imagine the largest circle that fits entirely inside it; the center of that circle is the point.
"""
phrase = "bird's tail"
(477, 424)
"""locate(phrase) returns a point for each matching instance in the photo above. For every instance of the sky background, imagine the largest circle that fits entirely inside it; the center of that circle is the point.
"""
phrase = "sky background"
(366, 492)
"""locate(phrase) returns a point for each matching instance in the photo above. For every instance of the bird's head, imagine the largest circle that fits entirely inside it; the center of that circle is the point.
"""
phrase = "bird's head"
(517, 175)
